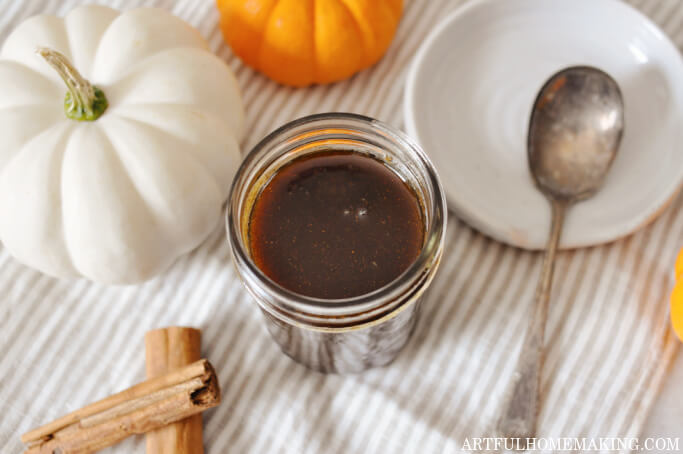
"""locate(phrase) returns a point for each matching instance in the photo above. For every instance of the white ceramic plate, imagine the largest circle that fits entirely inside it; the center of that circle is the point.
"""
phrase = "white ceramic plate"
(468, 100)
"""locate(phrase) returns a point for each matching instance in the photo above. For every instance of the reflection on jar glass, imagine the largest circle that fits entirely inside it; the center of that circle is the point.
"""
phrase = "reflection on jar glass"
(336, 224)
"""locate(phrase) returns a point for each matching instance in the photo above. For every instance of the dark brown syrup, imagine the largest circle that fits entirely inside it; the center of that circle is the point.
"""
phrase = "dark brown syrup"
(335, 225)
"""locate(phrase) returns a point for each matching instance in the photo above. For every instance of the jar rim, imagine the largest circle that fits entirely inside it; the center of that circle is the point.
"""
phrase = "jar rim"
(367, 303)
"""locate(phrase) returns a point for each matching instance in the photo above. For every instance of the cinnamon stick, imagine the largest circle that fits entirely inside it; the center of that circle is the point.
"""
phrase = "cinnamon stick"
(147, 406)
(168, 349)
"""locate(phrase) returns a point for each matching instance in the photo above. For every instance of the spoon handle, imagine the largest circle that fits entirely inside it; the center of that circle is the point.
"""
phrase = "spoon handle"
(520, 410)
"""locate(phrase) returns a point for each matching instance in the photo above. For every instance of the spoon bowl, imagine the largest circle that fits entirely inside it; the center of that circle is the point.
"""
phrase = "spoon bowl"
(574, 133)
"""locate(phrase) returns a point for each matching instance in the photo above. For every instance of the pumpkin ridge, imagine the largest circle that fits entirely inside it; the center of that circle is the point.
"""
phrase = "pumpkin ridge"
(162, 262)
(60, 148)
(123, 15)
(70, 32)
(58, 84)
(135, 67)
(57, 38)
(224, 103)
(144, 124)
(68, 247)
(259, 44)
(127, 87)
(360, 31)
(304, 63)
(148, 126)
(34, 137)
(93, 65)
(70, 44)
(145, 60)
(120, 111)
(396, 12)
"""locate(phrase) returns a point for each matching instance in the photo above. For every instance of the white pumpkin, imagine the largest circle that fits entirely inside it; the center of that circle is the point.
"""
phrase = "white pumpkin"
(115, 196)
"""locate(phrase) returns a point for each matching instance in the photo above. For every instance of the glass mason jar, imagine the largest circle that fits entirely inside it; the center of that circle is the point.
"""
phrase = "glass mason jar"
(352, 334)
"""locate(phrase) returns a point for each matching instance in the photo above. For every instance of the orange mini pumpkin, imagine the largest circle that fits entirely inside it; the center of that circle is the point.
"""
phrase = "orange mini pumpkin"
(301, 42)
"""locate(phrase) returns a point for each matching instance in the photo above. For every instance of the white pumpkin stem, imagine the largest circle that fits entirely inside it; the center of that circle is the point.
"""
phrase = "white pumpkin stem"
(83, 101)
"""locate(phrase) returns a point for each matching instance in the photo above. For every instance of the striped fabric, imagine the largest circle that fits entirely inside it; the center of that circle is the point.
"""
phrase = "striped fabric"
(64, 344)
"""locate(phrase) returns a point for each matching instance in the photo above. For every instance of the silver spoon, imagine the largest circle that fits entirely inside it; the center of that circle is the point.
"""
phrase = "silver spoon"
(574, 133)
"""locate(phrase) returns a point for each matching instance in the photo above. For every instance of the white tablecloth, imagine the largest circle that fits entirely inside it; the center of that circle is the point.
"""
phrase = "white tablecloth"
(65, 344)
